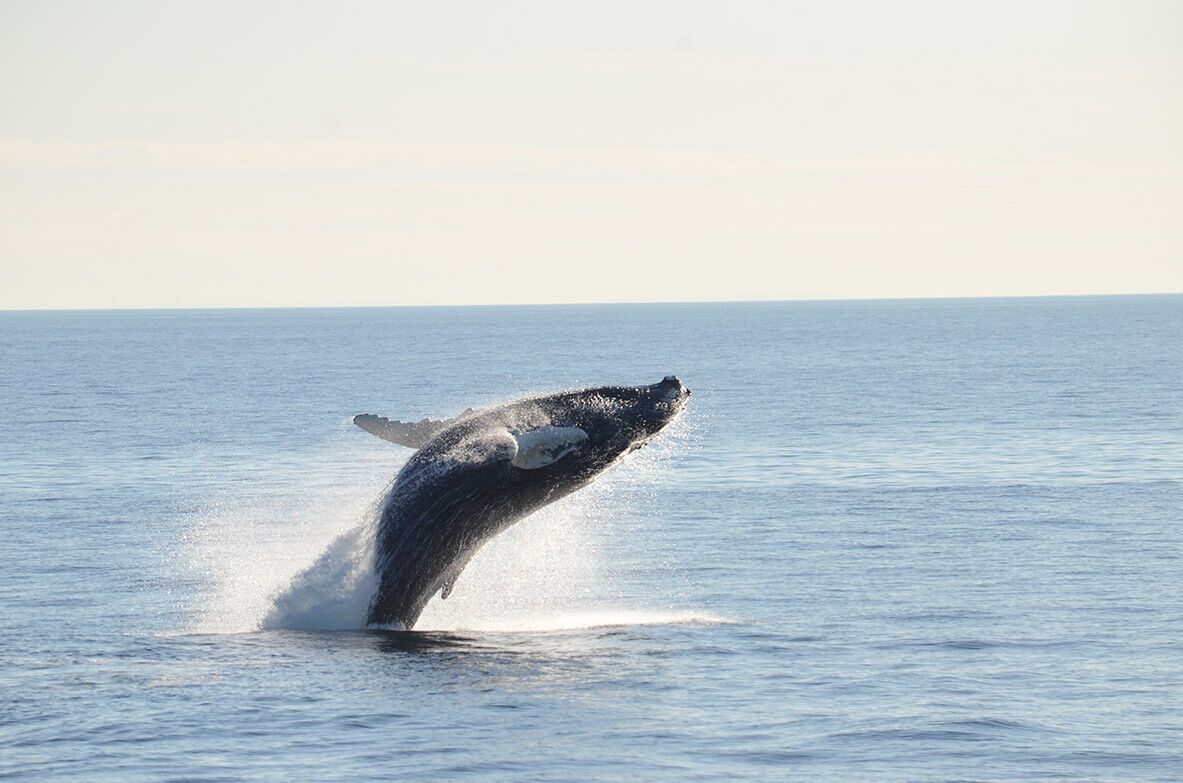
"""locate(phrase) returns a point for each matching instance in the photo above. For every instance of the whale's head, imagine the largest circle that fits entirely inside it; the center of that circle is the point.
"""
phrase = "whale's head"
(645, 411)
(618, 419)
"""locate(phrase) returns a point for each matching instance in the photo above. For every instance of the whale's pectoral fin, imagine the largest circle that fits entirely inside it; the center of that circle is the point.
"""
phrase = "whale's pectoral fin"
(539, 448)
(454, 574)
(410, 434)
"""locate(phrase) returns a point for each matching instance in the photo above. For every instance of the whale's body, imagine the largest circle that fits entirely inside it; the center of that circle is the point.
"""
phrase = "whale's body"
(477, 474)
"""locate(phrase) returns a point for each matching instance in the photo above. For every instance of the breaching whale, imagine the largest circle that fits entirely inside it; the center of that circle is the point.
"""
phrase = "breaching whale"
(475, 475)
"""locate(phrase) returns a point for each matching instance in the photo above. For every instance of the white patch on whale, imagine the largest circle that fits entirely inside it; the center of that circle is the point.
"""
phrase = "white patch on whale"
(539, 448)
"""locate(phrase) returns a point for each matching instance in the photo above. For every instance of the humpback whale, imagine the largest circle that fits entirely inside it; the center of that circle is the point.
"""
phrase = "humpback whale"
(474, 475)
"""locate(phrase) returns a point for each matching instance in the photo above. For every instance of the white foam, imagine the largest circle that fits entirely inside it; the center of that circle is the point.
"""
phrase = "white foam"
(578, 620)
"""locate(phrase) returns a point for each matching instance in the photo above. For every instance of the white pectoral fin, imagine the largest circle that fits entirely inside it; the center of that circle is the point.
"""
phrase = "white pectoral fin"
(539, 448)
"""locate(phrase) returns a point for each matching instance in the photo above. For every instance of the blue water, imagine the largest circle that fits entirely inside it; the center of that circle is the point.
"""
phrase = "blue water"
(905, 540)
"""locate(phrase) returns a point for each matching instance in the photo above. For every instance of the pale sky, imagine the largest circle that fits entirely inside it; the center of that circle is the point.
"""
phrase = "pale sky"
(169, 154)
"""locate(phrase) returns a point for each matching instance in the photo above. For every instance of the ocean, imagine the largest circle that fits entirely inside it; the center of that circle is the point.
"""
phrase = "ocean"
(913, 540)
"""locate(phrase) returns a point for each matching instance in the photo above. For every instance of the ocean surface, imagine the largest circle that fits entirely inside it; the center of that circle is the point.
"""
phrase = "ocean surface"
(919, 540)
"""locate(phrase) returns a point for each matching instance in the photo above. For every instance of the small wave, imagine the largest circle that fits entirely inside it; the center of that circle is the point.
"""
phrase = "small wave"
(991, 724)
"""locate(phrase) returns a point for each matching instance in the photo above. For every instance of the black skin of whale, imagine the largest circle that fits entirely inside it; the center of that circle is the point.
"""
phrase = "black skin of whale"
(477, 474)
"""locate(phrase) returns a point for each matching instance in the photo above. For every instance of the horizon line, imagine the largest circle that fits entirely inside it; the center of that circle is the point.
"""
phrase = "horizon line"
(641, 302)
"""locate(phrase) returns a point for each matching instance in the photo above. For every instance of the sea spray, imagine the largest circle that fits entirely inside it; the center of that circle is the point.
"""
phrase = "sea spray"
(334, 592)
(545, 566)
(246, 550)
(306, 562)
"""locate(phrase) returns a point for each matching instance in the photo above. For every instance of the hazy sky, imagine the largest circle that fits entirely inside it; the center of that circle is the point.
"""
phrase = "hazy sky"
(279, 153)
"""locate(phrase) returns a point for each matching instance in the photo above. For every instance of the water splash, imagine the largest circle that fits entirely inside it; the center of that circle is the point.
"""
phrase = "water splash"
(334, 592)
(551, 571)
